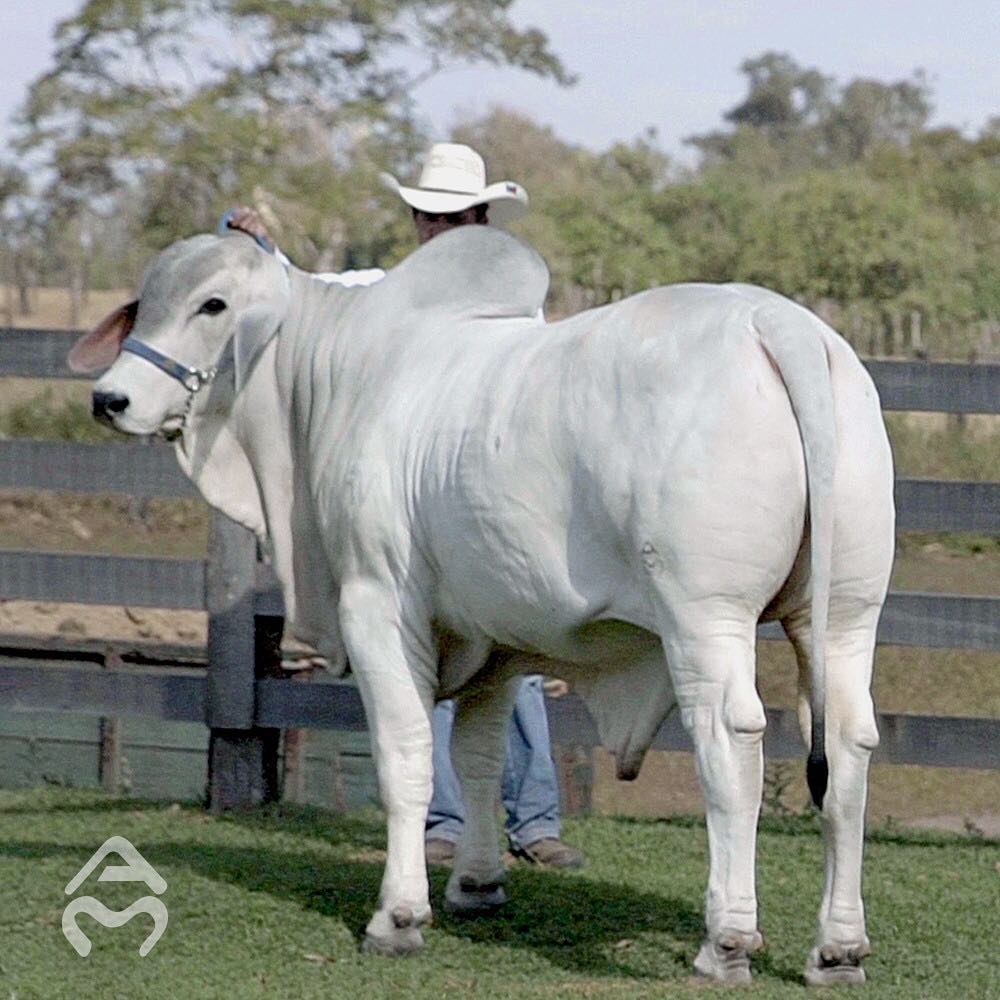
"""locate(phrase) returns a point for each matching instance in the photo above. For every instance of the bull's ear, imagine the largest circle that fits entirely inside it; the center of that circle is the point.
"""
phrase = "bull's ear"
(99, 348)
(254, 331)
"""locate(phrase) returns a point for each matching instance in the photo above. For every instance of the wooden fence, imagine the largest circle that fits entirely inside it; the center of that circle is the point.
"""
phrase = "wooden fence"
(246, 699)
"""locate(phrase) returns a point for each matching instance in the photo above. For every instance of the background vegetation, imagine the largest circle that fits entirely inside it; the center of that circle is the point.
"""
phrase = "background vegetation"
(158, 114)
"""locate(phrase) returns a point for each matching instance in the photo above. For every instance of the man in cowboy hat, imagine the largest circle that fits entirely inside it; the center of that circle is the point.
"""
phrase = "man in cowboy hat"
(452, 191)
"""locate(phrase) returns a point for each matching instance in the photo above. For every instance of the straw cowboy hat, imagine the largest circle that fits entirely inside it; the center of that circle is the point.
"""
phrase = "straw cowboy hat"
(454, 179)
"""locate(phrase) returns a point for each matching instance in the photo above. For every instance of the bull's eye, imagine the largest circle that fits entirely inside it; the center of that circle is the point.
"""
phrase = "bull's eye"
(212, 307)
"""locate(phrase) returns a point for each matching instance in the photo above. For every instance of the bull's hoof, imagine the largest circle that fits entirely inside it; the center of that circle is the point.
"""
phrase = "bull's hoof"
(395, 932)
(397, 945)
(837, 965)
(467, 896)
(726, 959)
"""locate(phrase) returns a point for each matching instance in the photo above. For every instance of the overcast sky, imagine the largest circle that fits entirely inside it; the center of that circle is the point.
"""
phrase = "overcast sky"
(671, 64)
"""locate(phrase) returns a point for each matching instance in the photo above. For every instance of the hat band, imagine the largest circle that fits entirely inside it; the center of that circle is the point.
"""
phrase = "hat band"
(470, 194)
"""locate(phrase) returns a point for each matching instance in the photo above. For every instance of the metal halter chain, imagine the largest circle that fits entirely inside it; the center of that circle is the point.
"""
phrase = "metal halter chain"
(193, 379)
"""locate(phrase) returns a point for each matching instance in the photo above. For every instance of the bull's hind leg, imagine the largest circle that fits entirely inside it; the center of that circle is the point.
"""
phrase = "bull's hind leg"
(851, 736)
(713, 673)
(477, 747)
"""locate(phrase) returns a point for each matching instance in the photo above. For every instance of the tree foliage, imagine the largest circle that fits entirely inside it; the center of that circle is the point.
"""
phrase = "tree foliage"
(795, 117)
(158, 114)
(911, 227)
(199, 103)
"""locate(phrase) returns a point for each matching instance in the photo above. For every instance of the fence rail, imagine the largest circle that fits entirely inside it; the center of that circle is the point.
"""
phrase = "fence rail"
(246, 708)
(936, 386)
(181, 696)
(903, 385)
(941, 621)
(146, 469)
(129, 468)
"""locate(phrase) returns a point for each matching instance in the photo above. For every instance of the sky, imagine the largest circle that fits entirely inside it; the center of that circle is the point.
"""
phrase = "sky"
(669, 64)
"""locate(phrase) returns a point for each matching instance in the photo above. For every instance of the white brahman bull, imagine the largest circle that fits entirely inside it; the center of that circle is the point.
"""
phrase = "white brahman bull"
(455, 494)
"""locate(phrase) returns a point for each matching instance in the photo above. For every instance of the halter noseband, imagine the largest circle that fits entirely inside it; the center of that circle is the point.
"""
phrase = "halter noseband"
(193, 379)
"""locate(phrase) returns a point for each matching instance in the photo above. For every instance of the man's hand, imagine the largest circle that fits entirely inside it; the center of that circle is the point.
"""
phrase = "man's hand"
(248, 220)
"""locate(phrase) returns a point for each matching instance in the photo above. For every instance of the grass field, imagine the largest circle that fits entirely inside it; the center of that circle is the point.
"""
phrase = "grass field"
(272, 903)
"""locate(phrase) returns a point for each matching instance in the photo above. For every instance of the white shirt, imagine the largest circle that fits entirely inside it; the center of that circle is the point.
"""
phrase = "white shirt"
(349, 279)
(352, 279)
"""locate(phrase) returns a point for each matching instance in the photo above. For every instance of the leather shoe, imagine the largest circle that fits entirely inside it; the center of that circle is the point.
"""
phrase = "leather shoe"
(550, 852)
(439, 851)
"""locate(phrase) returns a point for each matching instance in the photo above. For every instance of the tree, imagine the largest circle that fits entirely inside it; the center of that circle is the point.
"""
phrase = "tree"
(782, 96)
(870, 112)
(18, 249)
(783, 107)
(796, 118)
(197, 103)
(13, 182)
(844, 236)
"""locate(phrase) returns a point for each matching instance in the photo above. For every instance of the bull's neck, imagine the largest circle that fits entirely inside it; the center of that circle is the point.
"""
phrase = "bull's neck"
(313, 307)
(264, 423)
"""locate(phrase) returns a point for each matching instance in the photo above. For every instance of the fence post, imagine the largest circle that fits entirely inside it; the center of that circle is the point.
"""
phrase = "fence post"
(242, 757)
(110, 745)
(575, 765)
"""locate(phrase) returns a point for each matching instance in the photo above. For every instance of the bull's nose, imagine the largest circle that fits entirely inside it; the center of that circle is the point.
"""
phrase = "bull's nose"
(105, 405)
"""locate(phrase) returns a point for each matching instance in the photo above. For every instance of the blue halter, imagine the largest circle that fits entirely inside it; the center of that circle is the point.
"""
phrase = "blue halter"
(193, 379)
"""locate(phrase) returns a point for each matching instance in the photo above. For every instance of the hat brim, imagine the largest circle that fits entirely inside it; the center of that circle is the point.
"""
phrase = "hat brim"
(507, 201)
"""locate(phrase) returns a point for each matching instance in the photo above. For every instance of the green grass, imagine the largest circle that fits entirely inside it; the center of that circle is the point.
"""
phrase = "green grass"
(952, 452)
(53, 416)
(271, 904)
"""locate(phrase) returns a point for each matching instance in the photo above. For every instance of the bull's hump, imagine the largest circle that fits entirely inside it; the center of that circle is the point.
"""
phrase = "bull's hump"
(471, 271)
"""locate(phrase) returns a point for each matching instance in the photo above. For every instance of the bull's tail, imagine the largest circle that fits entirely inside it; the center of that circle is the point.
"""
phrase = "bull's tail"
(792, 337)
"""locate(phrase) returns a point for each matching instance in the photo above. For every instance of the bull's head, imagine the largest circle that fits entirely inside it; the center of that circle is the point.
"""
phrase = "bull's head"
(206, 307)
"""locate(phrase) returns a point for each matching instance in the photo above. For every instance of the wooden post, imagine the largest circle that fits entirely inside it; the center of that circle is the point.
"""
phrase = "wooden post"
(110, 765)
(896, 325)
(856, 327)
(293, 784)
(110, 740)
(575, 767)
(242, 757)
(8, 299)
(916, 335)
(268, 630)
(293, 779)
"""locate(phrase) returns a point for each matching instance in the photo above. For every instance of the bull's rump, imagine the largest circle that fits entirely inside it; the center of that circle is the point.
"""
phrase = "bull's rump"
(646, 445)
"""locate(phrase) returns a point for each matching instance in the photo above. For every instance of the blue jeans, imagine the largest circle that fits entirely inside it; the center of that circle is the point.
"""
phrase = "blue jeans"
(529, 789)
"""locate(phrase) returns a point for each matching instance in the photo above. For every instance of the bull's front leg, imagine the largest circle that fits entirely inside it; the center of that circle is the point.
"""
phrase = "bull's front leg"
(393, 661)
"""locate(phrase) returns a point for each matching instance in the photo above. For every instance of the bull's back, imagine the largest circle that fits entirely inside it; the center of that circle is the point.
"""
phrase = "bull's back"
(656, 422)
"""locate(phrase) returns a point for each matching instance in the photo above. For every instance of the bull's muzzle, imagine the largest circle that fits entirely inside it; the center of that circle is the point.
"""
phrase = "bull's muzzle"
(107, 405)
